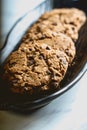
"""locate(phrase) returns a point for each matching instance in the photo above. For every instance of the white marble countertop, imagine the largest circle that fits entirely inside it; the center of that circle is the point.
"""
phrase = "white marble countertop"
(67, 112)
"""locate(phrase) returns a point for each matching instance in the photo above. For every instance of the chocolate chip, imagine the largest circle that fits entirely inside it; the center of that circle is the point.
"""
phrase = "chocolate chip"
(71, 23)
(47, 48)
(30, 57)
(73, 28)
(30, 49)
(12, 64)
(30, 61)
(41, 56)
(54, 23)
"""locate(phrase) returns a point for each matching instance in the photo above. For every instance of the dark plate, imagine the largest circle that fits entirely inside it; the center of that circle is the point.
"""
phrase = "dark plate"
(74, 73)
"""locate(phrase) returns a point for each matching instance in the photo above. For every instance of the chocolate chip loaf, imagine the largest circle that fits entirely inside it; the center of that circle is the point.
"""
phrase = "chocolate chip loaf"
(47, 49)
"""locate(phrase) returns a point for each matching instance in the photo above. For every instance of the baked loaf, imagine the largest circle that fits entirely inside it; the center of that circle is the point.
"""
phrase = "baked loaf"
(45, 52)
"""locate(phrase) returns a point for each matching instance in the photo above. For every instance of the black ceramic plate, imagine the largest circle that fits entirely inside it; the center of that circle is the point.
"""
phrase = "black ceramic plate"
(74, 73)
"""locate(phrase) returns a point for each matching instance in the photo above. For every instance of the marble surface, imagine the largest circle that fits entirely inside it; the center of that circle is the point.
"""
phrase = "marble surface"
(67, 112)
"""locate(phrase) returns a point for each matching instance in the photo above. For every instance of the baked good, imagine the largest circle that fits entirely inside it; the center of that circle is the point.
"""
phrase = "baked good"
(67, 21)
(42, 30)
(71, 19)
(39, 65)
(59, 41)
(47, 49)
(66, 15)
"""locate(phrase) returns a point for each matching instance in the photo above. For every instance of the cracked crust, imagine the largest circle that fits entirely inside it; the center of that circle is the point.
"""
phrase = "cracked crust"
(70, 18)
(45, 29)
(60, 41)
(39, 65)
(67, 21)
(26, 77)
